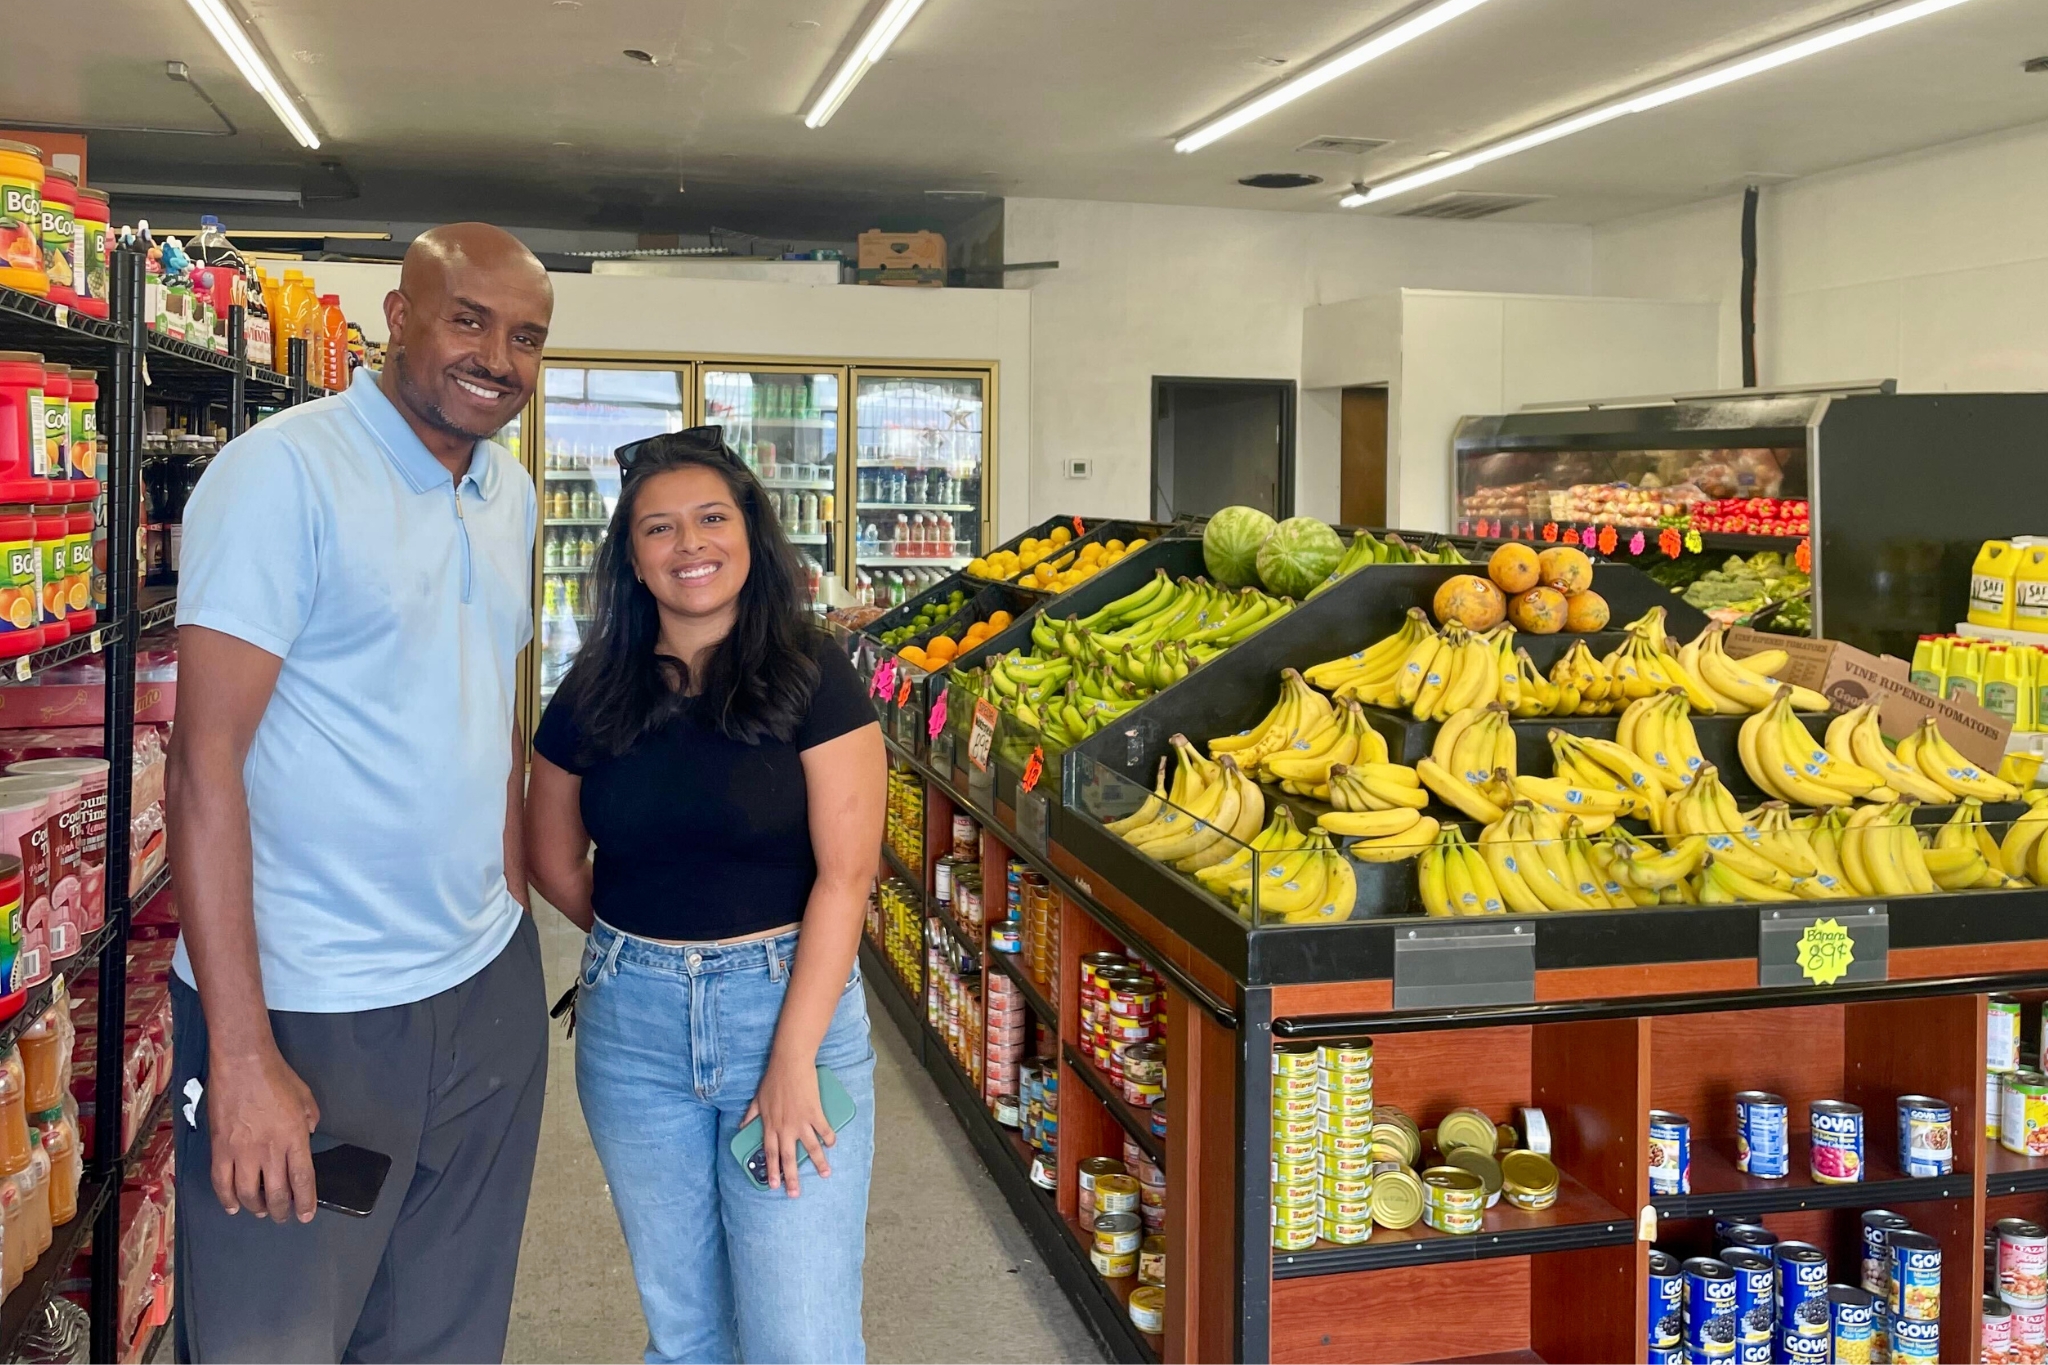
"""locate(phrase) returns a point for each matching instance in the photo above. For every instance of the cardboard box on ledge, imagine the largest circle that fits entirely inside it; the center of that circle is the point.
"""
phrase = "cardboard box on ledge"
(1848, 677)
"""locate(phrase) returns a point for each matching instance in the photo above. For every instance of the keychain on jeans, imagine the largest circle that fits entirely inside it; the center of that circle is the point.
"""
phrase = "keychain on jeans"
(567, 1005)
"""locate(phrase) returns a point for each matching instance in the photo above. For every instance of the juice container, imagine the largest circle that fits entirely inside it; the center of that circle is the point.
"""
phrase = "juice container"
(14, 1243)
(67, 1163)
(21, 219)
(56, 422)
(2026, 677)
(333, 343)
(2030, 589)
(60, 251)
(13, 1114)
(273, 309)
(301, 312)
(82, 453)
(92, 285)
(53, 562)
(78, 605)
(37, 1194)
(2001, 686)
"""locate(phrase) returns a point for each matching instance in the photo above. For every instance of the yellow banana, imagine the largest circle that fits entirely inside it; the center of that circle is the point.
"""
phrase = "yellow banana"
(1393, 848)
(1431, 881)
(1340, 893)
(1655, 871)
(1378, 824)
(1865, 746)
(1937, 758)
(1721, 884)
(2020, 839)
(1146, 813)
(1955, 869)
(1456, 791)
(1505, 860)
(1294, 883)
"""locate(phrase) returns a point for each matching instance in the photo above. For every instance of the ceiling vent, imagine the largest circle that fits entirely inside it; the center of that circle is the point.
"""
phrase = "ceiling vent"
(1465, 205)
(1343, 146)
(1280, 180)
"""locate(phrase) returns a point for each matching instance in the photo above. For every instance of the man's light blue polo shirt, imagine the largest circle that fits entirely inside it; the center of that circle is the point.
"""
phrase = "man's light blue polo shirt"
(399, 601)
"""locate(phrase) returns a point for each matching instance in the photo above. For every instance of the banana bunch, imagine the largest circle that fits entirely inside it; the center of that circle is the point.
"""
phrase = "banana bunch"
(1470, 748)
(2024, 853)
(1881, 852)
(1368, 788)
(1312, 884)
(1530, 694)
(1963, 854)
(1540, 862)
(1658, 730)
(1367, 549)
(1381, 836)
(1586, 687)
(1645, 664)
(1342, 736)
(1210, 809)
(1602, 765)
(1454, 878)
(1740, 686)
(1783, 759)
(1231, 878)
(1650, 875)
(1300, 710)
(1926, 750)
(1369, 673)
(1768, 851)
(1594, 808)
(1853, 738)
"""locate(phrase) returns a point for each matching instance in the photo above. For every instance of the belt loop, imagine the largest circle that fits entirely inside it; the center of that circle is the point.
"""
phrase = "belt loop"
(611, 957)
(775, 972)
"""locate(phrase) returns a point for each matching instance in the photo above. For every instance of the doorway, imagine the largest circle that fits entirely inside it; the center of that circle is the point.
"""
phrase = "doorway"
(1362, 472)
(1220, 443)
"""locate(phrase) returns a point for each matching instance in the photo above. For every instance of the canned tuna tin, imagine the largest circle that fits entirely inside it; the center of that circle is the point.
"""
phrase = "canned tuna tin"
(1878, 1226)
(1293, 1085)
(1529, 1180)
(1915, 1293)
(2023, 1114)
(1344, 1082)
(1709, 1309)
(1397, 1200)
(1297, 1215)
(1284, 1127)
(1670, 1153)
(1148, 1309)
(1117, 1232)
(1296, 1106)
(1114, 1265)
(1349, 1125)
(1346, 1234)
(1837, 1157)
(1455, 1200)
(1852, 1322)
(1294, 1059)
(1359, 1103)
(2022, 1262)
(1802, 1290)
(1116, 1194)
(1344, 1188)
(1998, 1348)
(1294, 1151)
(1667, 1302)
(1339, 1144)
(1763, 1135)
(1756, 1293)
(1345, 1167)
(1916, 1343)
(1465, 1128)
(2002, 1034)
(1925, 1137)
(1294, 1239)
(1353, 1057)
(1482, 1165)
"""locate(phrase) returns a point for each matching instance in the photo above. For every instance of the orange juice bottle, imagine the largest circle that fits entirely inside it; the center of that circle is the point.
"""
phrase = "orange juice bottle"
(333, 343)
(273, 305)
(301, 311)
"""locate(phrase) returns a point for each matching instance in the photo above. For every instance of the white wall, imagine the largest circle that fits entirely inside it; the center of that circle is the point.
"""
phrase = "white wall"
(626, 314)
(1146, 290)
(1930, 268)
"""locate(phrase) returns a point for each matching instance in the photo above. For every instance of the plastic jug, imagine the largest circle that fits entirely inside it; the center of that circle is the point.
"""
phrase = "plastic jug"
(2029, 588)
(1965, 678)
(2001, 687)
(1991, 578)
(273, 309)
(1926, 670)
(333, 343)
(300, 320)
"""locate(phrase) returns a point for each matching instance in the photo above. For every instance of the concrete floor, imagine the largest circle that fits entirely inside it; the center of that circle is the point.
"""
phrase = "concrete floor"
(951, 1275)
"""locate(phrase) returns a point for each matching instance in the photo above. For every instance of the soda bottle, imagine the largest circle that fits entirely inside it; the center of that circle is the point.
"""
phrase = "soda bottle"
(551, 557)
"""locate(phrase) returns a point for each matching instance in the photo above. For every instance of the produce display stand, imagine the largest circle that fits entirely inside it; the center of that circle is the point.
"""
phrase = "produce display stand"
(1595, 1018)
(137, 367)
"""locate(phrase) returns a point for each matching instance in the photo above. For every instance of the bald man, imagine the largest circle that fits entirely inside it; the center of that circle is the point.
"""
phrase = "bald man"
(358, 981)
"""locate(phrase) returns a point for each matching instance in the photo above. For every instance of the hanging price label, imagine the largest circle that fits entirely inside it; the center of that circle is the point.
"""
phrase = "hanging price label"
(885, 677)
(982, 737)
(95, 642)
(1550, 532)
(936, 721)
(903, 693)
(1034, 768)
(63, 316)
(21, 669)
(1635, 543)
(1079, 529)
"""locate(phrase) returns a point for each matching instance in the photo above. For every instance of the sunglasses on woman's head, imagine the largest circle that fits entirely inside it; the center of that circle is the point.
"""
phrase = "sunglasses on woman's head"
(697, 440)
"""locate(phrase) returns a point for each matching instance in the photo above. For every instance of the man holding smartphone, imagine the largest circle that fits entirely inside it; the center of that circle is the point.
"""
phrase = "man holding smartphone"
(357, 967)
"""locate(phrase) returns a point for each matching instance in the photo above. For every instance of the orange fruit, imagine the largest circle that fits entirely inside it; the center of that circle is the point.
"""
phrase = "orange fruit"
(912, 654)
(1585, 611)
(21, 610)
(998, 620)
(1540, 611)
(1566, 569)
(1470, 600)
(941, 649)
(1514, 568)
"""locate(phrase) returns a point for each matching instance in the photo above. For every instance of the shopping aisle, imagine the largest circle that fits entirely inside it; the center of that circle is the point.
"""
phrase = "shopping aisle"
(951, 1275)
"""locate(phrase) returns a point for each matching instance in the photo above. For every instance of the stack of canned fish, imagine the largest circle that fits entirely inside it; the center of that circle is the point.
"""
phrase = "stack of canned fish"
(956, 892)
(904, 827)
(1117, 1210)
(2016, 1095)
(952, 1000)
(1038, 1117)
(1835, 1151)
(895, 926)
(2016, 1312)
(1005, 1031)
(1762, 1299)
(1151, 1194)
(1034, 908)
(1322, 1138)
(1120, 1005)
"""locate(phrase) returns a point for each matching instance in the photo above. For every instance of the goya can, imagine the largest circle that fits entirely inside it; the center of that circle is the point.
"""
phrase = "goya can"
(1670, 1153)
(1667, 1355)
(1805, 1350)
(1915, 1342)
(1802, 1290)
(1837, 1157)
(2023, 1114)
(1763, 1135)
(1733, 1232)
(1997, 1348)
(1756, 1294)
(2022, 1262)
(1667, 1302)
(1878, 1227)
(1915, 1291)
(1709, 1309)
(1926, 1136)
(1852, 1322)
(2002, 1034)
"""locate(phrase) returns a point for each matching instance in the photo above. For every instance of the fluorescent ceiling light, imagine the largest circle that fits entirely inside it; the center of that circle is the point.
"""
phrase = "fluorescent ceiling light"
(1367, 49)
(202, 192)
(1861, 25)
(887, 24)
(228, 32)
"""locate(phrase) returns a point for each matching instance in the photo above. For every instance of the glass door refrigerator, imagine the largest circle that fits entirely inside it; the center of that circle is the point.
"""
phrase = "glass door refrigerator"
(922, 478)
(784, 422)
(584, 412)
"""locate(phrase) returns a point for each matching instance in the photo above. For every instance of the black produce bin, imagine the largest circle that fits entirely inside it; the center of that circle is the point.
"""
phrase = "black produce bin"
(908, 718)
(1235, 691)
(937, 592)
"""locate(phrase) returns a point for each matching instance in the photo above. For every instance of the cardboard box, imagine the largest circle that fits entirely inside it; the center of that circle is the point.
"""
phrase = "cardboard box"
(1848, 677)
(902, 251)
(928, 279)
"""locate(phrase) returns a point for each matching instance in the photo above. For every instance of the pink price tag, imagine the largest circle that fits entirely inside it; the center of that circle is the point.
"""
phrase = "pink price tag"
(885, 676)
(936, 721)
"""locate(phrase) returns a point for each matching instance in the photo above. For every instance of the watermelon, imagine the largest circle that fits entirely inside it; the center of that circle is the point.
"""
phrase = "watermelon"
(1230, 545)
(1301, 552)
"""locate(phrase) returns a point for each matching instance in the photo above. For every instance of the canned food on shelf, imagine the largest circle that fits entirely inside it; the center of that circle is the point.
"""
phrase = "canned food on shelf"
(1113, 1265)
(1997, 1347)
(1763, 1135)
(2022, 1262)
(1345, 1057)
(1667, 1302)
(1465, 1128)
(1837, 1142)
(1529, 1180)
(1118, 1232)
(1915, 1290)
(1756, 1295)
(1345, 1233)
(1878, 1226)
(1709, 1309)
(2002, 1034)
(1152, 1259)
(1397, 1198)
(1454, 1200)
(1148, 1309)
(1926, 1137)
(1670, 1153)
(2023, 1113)
(1852, 1322)
(1480, 1164)
(1116, 1194)
(1802, 1290)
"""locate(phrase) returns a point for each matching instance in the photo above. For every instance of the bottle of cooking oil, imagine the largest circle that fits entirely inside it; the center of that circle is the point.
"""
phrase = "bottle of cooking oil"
(2001, 688)
(1926, 672)
(1991, 583)
(2029, 594)
(1965, 678)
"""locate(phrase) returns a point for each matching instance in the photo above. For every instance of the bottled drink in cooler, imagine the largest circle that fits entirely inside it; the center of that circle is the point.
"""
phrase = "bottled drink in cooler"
(810, 514)
(551, 556)
(871, 539)
(586, 551)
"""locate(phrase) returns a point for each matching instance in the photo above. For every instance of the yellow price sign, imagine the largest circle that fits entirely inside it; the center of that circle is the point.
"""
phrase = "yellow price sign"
(1825, 952)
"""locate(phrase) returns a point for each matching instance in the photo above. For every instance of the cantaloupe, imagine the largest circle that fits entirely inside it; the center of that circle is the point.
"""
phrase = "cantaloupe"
(1540, 611)
(1471, 601)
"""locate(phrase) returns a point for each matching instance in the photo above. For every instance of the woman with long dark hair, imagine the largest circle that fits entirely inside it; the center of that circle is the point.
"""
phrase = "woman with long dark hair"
(719, 750)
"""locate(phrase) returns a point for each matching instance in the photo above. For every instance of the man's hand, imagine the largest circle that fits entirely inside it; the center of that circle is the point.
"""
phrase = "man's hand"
(260, 1115)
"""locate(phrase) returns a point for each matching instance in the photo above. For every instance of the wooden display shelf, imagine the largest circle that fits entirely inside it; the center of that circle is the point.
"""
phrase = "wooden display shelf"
(1139, 1126)
(2010, 1173)
(1121, 1286)
(1720, 1189)
(1578, 1220)
(903, 872)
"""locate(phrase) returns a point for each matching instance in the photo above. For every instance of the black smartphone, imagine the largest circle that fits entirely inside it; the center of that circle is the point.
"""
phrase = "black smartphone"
(348, 1178)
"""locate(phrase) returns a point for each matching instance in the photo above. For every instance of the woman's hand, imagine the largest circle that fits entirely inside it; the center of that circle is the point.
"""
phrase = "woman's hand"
(791, 1112)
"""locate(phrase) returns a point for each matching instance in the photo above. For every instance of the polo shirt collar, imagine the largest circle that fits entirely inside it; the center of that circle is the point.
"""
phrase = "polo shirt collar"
(422, 472)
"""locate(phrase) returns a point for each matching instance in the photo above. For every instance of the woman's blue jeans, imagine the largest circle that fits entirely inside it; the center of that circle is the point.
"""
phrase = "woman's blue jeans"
(671, 1044)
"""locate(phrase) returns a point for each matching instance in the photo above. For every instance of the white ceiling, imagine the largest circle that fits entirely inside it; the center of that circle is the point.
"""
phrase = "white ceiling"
(525, 109)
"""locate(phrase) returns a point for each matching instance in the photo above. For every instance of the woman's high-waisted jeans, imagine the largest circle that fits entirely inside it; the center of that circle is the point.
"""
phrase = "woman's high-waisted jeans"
(671, 1044)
